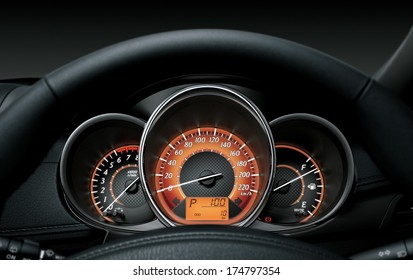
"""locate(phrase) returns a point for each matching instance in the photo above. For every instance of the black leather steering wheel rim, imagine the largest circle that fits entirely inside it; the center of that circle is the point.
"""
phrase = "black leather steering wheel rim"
(137, 63)
(145, 60)
(207, 243)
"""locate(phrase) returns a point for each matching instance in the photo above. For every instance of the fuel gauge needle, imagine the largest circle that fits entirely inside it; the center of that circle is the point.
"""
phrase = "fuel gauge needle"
(293, 180)
(121, 194)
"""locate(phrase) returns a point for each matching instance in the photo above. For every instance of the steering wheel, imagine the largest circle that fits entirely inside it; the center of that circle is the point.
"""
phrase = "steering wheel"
(135, 64)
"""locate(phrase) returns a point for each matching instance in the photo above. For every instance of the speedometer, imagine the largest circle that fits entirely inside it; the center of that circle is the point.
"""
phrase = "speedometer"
(206, 174)
(207, 157)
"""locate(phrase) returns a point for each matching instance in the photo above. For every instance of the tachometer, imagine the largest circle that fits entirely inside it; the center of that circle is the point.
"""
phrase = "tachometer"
(99, 172)
(115, 184)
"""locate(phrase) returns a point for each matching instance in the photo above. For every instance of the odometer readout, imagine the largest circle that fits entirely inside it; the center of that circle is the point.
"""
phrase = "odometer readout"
(206, 208)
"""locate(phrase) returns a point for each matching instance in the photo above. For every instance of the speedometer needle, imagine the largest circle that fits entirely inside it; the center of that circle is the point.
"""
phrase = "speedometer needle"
(295, 179)
(121, 194)
(192, 181)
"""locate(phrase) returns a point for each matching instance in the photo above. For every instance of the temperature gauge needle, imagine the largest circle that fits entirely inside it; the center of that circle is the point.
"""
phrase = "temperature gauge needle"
(293, 180)
(192, 181)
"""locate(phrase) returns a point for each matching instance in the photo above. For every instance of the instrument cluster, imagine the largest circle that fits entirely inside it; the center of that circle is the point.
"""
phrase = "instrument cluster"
(206, 155)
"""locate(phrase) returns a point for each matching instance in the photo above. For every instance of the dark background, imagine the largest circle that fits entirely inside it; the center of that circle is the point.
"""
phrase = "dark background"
(35, 39)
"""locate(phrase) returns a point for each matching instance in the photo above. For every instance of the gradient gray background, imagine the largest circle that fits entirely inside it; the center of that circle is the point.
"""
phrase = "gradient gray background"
(35, 39)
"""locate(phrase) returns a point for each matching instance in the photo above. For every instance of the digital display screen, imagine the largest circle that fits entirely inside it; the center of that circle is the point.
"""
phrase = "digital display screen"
(207, 208)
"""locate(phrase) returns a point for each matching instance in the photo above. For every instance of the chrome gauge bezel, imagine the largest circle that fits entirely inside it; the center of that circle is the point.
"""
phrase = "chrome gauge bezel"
(186, 100)
(318, 133)
(95, 137)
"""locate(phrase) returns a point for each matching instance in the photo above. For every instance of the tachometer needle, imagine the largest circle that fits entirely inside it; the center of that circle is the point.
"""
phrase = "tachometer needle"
(295, 179)
(121, 194)
(192, 181)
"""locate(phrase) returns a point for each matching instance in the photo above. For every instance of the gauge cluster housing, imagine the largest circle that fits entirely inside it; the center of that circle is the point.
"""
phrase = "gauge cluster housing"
(155, 121)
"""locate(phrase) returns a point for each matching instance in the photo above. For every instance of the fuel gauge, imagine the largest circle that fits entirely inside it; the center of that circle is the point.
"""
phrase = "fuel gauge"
(314, 173)
(298, 189)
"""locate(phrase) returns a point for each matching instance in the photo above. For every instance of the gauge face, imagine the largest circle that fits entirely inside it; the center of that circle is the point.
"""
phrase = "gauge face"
(298, 190)
(207, 157)
(99, 172)
(206, 175)
(314, 175)
(115, 187)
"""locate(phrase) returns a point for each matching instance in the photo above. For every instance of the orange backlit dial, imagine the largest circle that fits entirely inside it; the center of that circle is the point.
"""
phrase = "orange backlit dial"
(298, 191)
(115, 188)
(207, 175)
